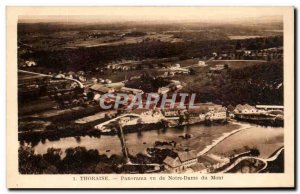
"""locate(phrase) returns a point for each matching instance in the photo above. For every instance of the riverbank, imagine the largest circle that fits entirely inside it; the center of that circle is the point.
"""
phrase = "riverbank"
(201, 138)
(266, 139)
(223, 137)
(272, 164)
(138, 142)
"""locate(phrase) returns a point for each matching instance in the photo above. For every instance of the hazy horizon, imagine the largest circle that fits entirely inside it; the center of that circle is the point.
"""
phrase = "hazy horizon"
(158, 15)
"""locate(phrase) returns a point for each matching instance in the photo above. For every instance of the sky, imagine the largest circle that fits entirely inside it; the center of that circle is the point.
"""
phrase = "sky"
(153, 14)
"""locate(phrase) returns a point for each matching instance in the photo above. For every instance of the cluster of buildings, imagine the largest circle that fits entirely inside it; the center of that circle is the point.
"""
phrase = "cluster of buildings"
(268, 54)
(261, 114)
(80, 75)
(124, 65)
(190, 162)
(203, 112)
(174, 85)
(248, 109)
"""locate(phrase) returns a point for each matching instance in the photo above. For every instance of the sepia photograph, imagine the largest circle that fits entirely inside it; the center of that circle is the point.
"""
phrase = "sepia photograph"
(134, 92)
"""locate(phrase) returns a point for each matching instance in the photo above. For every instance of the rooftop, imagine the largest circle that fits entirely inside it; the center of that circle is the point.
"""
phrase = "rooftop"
(207, 159)
(198, 167)
(269, 106)
(100, 88)
(185, 156)
(172, 162)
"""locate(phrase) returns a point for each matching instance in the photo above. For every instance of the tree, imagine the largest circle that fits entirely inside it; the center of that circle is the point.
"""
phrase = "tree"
(53, 156)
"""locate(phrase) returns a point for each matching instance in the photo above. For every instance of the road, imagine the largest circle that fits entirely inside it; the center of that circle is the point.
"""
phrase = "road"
(265, 161)
(40, 74)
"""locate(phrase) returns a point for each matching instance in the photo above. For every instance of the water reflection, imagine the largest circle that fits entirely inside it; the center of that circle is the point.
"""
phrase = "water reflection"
(201, 136)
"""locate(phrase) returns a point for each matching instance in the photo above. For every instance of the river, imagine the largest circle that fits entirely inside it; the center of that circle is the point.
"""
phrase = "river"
(266, 139)
(201, 137)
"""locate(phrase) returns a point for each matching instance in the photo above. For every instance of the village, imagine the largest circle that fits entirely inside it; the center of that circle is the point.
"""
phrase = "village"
(130, 100)
(74, 91)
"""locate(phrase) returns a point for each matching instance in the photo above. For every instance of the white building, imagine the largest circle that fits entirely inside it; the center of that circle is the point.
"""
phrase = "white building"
(269, 107)
(30, 63)
(182, 162)
(131, 90)
(245, 109)
(201, 64)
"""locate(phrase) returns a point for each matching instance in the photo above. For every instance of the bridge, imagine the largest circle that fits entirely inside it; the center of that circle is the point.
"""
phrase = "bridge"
(123, 141)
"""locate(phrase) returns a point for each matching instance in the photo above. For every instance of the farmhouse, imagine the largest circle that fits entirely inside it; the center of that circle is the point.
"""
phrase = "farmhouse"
(100, 89)
(209, 162)
(181, 162)
(245, 109)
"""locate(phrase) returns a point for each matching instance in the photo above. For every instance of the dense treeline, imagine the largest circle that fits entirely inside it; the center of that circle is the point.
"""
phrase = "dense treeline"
(79, 160)
(87, 58)
(257, 84)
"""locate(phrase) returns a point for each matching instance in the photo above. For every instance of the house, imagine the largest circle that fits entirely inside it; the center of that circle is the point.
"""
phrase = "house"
(198, 112)
(111, 66)
(201, 64)
(125, 68)
(100, 89)
(100, 80)
(172, 165)
(269, 107)
(188, 158)
(219, 114)
(108, 81)
(115, 85)
(148, 116)
(170, 113)
(209, 111)
(247, 52)
(127, 121)
(244, 109)
(199, 168)
(30, 63)
(94, 80)
(177, 65)
(182, 162)
(224, 55)
(209, 162)
(174, 85)
(82, 78)
(60, 76)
